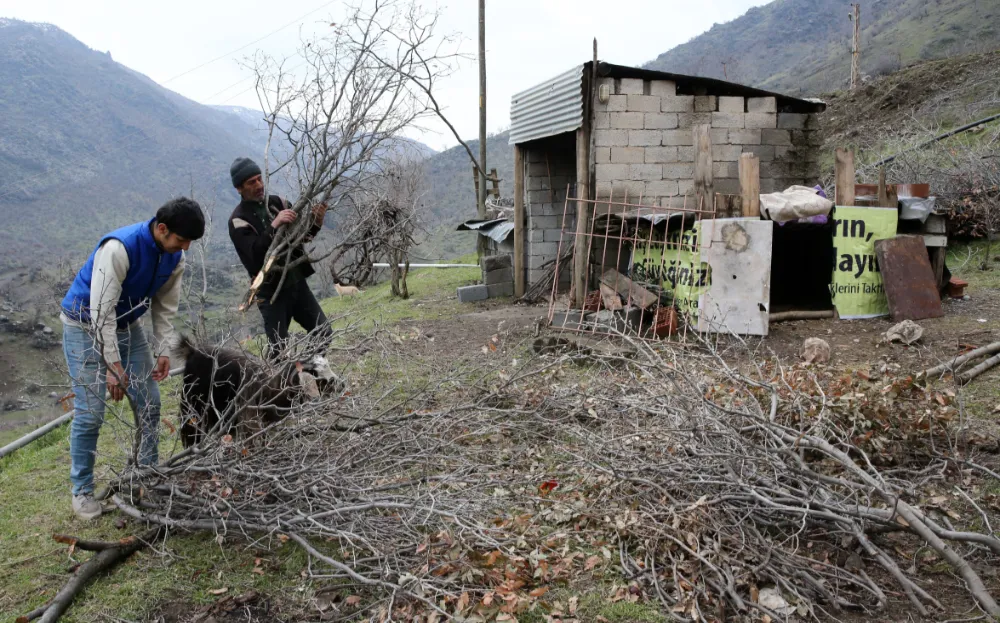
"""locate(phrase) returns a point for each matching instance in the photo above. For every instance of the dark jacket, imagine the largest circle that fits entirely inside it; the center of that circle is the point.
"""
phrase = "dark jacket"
(252, 237)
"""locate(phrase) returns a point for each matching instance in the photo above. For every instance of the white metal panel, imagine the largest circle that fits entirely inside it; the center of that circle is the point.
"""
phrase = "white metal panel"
(552, 107)
(739, 253)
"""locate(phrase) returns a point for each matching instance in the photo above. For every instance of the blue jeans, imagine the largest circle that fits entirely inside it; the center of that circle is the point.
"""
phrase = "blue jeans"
(88, 373)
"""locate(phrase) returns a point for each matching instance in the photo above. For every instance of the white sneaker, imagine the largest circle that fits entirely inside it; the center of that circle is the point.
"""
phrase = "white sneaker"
(86, 507)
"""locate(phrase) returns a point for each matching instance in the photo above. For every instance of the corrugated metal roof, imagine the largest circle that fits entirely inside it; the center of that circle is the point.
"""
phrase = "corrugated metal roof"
(552, 107)
(497, 229)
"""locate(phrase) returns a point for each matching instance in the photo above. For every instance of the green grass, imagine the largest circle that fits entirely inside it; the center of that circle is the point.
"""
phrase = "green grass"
(964, 261)
(35, 496)
(432, 295)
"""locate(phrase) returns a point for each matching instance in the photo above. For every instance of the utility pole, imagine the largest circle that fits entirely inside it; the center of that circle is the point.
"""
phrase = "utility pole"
(856, 49)
(482, 109)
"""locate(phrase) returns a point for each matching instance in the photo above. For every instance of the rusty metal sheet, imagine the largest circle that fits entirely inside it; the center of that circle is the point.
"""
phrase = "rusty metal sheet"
(908, 278)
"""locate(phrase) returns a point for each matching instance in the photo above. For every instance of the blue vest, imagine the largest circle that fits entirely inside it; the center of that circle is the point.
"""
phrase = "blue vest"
(148, 269)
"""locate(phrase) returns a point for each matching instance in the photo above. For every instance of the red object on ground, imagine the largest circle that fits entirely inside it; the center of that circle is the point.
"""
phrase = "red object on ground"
(956, 287)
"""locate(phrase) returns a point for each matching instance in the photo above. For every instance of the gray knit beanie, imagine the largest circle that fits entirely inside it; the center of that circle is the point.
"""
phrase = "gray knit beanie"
(242, 170)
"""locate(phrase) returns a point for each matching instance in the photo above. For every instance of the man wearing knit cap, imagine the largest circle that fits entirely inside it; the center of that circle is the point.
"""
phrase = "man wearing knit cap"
(131, 270)
(252, 227)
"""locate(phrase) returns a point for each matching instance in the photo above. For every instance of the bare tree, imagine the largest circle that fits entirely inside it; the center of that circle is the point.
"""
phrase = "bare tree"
(333, 124)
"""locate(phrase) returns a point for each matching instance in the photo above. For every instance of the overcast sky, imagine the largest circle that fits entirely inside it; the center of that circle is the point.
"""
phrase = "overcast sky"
(527, 41)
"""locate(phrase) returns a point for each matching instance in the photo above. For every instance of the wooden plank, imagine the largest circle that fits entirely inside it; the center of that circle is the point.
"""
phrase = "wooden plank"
(728, 206)
(739, 253)
(844, 177)
(908, 279)
(750, 184)
(937, 256)
(883, 194)
(704, 187)
(518, 221)
(633, 293)
(581, 255)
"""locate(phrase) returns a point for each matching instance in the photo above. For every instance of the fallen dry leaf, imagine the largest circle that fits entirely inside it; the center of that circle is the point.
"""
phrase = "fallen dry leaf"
(353, 601)
(591, 563)
(538, 592)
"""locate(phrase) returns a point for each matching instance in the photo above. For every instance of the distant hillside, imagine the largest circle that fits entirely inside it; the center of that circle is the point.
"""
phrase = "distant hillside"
(87, 144)
(803, 46)
(451, 194)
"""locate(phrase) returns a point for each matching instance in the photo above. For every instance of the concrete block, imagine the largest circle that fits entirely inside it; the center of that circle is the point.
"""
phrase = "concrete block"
(630, 86)
(726, 153)
(545, 222)
(776, 137)
(745, 137)
(608, 172)
(628, 155)
(719, 136)
(539, 169)
(760, 120)
(497, 290)
(660, 188)
(644, 103)
(468, 294)
(503, 275)
(685, 154)
(620, 188)
(555, 235)
(545, 249)
(764, 152)
(792, 121)
(783, 152)
(762, 104)
(627, 120)
(767, 185)
(536, 235)
(728, 120)
(659, 155)
(685, 187)
(602, 120)
(602, 155)
(616, 103)
(539, 196)
(661, 121)
(691, 119)
(677, 137)
(732, 104)
(725, 169)
(534, 182)
(644, 138)
(645, 172)
(678, 171)
(492, 263)
(663, 88)
(679, 103)
(727, 186)
(609, 138)
(706, 103)
(536, 262)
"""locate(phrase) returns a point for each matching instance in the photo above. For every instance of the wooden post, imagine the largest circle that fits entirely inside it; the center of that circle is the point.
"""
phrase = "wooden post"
(704, 188)
(518, 222)
(750, 184)
(728, 206)
(844, 177)
(580, 259)
(883, 194)
(856, 48)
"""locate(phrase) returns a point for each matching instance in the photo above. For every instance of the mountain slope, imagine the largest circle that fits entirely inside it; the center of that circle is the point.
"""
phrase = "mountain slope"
(804, 46)
(87, 144)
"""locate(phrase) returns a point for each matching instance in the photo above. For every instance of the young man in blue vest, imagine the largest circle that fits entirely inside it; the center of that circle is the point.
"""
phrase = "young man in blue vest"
(131, 270)
(252, 226)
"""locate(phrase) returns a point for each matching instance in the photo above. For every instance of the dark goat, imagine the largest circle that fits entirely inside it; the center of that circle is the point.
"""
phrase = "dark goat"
(238, 389)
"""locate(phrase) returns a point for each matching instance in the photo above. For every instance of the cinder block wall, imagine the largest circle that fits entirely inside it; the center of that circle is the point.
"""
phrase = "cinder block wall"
(551, 168)
(644, 144)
